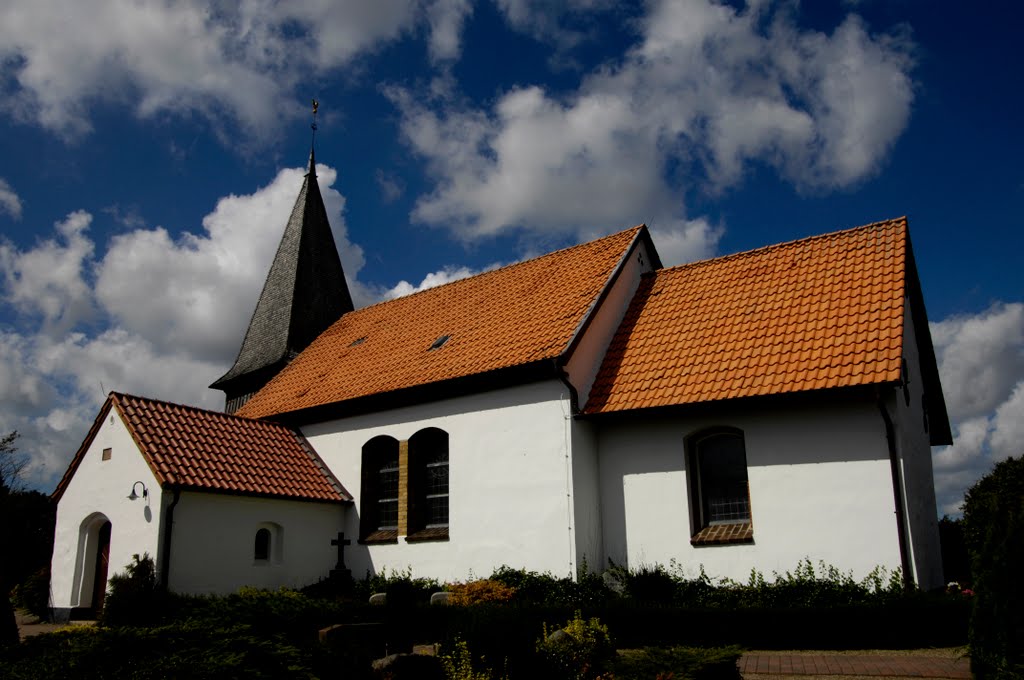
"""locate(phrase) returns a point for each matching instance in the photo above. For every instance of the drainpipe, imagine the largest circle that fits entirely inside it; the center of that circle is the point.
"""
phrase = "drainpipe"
(569, 494)
(165, 570)
(897, 492)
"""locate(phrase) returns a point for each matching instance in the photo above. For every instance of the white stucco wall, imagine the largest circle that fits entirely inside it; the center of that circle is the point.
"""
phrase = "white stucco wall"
(509, 470)
(820, 487)
(915, 457)
(213, 540)
(98, 488)
(586, 496)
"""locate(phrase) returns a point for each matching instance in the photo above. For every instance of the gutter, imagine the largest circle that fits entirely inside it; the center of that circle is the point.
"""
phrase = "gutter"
(563, 375)
(165, 566)
(897, 492)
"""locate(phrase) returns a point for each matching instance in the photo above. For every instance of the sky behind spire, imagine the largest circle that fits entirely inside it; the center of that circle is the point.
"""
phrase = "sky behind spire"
(144, 185)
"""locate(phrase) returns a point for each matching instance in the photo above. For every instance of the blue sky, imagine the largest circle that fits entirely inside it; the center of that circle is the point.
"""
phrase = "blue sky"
(150, 153)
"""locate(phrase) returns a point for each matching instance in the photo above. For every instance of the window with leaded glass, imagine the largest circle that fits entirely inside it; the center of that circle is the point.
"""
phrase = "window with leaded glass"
(719, 488)
(429, 490)
(387, 502)
(378, 494)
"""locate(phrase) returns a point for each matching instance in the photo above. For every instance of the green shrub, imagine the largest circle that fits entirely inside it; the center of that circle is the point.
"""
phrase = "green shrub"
(534, 588)
(33, 594)
(582, 649)
(458, 663)
(399, 585)
(136, 597)
(180, 650)
(285, 611)
(717, 663)
(956, 563)
(651, 585)
(994, 534)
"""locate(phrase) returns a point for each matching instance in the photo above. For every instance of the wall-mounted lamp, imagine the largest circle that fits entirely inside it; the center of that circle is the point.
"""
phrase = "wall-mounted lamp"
(133, 495)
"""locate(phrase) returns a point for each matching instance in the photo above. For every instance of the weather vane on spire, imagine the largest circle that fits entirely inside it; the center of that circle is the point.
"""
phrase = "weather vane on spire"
(316, 107)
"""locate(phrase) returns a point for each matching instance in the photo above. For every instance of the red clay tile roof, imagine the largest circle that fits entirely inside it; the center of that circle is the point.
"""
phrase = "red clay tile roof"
(519, 314)
(818, 313)
(201, 450)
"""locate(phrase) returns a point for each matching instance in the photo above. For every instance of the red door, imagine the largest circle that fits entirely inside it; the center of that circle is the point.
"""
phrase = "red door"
(99, 586)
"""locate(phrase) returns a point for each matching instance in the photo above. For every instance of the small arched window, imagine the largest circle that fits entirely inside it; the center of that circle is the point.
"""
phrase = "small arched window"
(261, 551)
(719, 488)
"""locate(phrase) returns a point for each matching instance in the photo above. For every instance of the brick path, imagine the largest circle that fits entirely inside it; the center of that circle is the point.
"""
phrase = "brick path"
(866, 665)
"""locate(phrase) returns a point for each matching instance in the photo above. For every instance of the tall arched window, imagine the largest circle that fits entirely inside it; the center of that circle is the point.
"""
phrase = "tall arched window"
(719, 490)
(378, 496)
(428, 484)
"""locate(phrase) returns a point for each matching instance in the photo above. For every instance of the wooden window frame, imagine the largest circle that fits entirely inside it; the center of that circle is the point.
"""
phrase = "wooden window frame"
(376, 452)
(426, 447)
(704, 531)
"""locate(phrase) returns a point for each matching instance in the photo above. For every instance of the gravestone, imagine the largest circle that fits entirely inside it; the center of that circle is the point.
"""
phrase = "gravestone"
(341, 575)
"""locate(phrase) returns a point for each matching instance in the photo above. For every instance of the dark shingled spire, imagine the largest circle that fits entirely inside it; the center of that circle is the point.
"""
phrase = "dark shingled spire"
(305, 292)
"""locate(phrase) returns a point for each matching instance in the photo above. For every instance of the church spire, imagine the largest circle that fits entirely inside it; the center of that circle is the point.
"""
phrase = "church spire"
(305, 292)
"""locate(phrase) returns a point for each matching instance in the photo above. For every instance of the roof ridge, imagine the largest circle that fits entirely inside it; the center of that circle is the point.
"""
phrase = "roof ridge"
(200, 409)
(488, 272)
(778, 246)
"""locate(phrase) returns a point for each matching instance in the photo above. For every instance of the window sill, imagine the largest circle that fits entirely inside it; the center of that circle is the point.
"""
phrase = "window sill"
(377, 537)
(424, 535)
(724, 534)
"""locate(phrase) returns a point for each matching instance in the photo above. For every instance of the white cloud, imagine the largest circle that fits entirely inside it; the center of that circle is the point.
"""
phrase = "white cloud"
(554, 21)
(981, 364)
(165, 316)
(705, 92)
(446, 18)
(1008, 426)
(432, 280)
(228, 61)
(391, 187)
(48, 280)
(981, 358)
(196, 294)
(9, 201)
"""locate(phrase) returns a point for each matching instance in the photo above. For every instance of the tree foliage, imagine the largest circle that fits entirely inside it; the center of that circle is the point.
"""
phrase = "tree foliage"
(994, 534)
(12, 464)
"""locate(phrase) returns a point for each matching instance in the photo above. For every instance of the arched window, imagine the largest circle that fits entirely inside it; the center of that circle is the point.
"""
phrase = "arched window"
(719, 491)
(428, 484)
(261, 551)
(268, 544)
(378, 494)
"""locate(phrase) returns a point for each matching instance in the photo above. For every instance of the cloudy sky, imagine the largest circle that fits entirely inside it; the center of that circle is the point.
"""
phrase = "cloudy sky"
(150, 153)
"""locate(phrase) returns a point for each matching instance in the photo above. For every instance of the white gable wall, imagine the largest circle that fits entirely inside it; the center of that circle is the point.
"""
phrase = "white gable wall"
(820, 487)
(586, 358)
(915, 458)
(509, 475)
(213, 542)
(99, 488)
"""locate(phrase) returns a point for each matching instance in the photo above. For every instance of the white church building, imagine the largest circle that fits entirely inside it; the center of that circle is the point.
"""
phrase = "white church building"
(588, 405)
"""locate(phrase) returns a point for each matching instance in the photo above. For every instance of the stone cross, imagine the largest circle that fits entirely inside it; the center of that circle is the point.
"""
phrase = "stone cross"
(341, 542)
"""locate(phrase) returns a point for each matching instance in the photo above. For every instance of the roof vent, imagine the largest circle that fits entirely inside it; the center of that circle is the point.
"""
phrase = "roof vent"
(357, 341)
(440, 342)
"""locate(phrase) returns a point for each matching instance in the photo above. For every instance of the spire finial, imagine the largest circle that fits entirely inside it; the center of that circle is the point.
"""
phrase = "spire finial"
(312, 142)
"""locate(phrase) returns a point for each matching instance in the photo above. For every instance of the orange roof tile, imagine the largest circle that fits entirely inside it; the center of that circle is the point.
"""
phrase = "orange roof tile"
(822, 312)
(193, 448)
(517, 315)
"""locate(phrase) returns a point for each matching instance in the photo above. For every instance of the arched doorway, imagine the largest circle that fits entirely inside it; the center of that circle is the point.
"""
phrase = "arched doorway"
(91, 566)
(99, 584)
